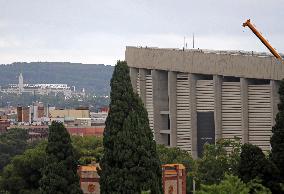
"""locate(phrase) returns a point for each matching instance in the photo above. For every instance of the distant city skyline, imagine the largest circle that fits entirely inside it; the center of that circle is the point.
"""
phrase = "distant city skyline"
(92, 31)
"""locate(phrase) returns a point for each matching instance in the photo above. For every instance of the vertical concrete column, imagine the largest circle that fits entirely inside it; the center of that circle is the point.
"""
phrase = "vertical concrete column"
(133, 77)
(245, 116)
(217, 84)
(172, 82)
(193, 114)
(156, 106)
(142, 74)
(274, 100)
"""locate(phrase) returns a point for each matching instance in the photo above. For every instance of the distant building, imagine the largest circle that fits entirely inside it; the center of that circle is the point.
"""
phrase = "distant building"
(69, 114)
(36, 118)
(8, 115)
(35, 132)
(23, 114)
(4, 124)
(86, 131)
(31, 114)
(42, 89)
(82, 122)
(99, 118)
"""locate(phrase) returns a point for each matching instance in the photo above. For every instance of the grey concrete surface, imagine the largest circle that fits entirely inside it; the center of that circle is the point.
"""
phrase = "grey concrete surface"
(197, 61)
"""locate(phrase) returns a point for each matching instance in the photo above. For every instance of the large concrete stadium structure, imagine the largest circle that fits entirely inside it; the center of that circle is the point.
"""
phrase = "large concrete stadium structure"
(198, 96)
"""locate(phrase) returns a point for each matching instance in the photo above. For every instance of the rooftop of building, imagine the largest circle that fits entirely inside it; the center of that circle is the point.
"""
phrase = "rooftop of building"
(219, 52)
(211, 62)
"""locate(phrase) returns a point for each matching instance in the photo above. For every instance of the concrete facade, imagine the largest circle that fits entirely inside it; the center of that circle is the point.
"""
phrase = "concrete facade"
(195, 96)
(206, 62)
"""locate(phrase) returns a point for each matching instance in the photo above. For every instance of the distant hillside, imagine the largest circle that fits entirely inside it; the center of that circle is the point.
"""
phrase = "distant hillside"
(92, 77)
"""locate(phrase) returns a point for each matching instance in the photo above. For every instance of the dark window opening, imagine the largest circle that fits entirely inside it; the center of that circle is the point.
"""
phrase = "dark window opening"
(169, 139)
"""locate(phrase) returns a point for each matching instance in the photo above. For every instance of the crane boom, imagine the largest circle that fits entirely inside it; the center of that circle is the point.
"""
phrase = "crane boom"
(262, 39)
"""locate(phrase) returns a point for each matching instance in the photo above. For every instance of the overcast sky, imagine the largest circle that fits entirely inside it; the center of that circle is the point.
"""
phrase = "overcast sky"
(97, 31)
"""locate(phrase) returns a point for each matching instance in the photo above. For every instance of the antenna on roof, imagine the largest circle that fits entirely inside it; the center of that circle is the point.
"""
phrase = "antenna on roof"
(193, 41)
(183, 42)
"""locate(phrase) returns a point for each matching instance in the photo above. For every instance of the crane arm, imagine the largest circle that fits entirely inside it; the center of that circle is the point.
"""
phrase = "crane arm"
(262, 39)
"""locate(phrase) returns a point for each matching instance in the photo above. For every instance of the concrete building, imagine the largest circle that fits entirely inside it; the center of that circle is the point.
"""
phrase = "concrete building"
(198, 96)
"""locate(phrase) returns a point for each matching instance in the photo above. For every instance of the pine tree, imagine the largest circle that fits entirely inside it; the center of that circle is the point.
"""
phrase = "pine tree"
(130, 163)
(254, 165)
(60, 171)
(277, 139)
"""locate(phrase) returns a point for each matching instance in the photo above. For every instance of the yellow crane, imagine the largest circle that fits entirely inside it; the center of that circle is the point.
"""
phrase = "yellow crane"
(262, 39)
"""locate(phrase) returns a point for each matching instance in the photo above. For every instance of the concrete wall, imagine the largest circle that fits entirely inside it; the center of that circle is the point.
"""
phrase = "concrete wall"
(197, 61)
(244, 103)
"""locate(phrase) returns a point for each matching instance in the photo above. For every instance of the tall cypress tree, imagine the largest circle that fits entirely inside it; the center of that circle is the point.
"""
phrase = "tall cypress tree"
(60, 171)
(130, 163)
(277, 139)
(253, 164)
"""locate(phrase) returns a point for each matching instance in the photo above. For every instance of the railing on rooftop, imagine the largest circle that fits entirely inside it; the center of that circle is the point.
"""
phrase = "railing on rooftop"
(224, 52)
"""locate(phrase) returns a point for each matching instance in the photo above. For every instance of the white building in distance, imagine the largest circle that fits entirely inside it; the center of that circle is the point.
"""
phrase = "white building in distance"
(41, 89)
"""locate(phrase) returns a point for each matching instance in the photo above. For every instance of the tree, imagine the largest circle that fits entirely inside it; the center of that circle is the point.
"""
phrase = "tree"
(22, 175)
(60, 171)
(12, 142)
(233, 185)
(277, 139)
(218, 159)
(254, 165)
(130, 162)
(89, 148)
(169, 155)
(256, 187)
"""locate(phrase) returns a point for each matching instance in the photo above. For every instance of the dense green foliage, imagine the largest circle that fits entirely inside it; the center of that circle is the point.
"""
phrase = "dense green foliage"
(130, 163)
(22, 175)
(12, 142)
(94, 78)
(26, 99)
(60, 170)
(217, 160)
(174, 155)
(233, 185)
(277, 139)
(25, 170)
(89, 149)
(254, 165)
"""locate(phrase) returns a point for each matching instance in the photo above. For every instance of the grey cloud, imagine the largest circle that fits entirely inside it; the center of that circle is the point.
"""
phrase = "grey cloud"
(54, 26)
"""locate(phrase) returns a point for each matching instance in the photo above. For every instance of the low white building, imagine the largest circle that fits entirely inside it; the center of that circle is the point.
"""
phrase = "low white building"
(42, 89)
